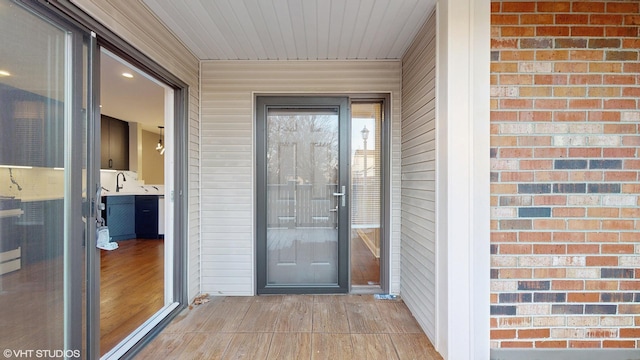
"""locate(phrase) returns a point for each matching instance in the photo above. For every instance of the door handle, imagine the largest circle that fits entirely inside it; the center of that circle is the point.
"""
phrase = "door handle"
(334, 209)
(342, 195)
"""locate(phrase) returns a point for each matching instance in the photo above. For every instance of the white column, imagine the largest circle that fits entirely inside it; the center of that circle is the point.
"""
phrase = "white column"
(463, 179)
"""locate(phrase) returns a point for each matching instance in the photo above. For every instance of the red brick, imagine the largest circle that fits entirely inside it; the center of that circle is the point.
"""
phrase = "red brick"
(551, 104)
(630, 188)
(608, 19)
(570, 116)
(534, 141)
(568, 237)
(568, 212)
(553, 31)
(622, 7)
(550, 79)
(601, 285)
(550, 273)
(585, 152)
(519, 249)
(605, 67)
(516, 152)
(603, 237)
(516, 55)
(583, 249)
(567, 285)
(548, 176)
(630, 285)
(603, 212)
(516, 177)
(549, 224)
(617, 224)
(631, 43)
(631, 92)
(587, 55)
(504, 141)
(606, 261)
(516, 79)
(586, 176)
(517, 31)
(551, 344)
(504, 67)
(583, 224)
(549, 249)
(504, 189)
(496, 6)
(536, 164)
(530, 115)
(571, 19)
(619, 31)
(533, 333)
(536, 19)
(504, 115)
(620, 129)
(515, 103)
(618, 344)
(604, 116)
(630, 333)
(571, 67)
(554, 6)
(619, 153)
(631, 164)
(550, 200)
(582, 344)
(502, 19)
(589, 7)
(618, 249)
(503, 236)
(585, 103)
(620, 79)
(516, 344)
(630, 213)
(626, 55)
(632, 20)
(587, 31)
(518, 6)
(519, 273)
(535, 91)
(503, 334)
(587, 297)
(620, 176)
(578, 79)
(619, 104)
(534, 237)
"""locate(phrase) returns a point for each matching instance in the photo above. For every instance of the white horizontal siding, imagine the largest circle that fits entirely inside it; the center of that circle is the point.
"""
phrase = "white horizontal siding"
(132, 21)
(228, 89)
(418, 285)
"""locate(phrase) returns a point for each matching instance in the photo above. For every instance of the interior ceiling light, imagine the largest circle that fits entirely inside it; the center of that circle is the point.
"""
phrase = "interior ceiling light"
(160, 146)
(127, 75)
(4, 73)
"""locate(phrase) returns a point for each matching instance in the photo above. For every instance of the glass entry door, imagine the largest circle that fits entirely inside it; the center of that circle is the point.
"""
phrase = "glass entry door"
(302, 195)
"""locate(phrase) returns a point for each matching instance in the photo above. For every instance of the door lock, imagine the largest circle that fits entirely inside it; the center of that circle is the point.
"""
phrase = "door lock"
(342, 195)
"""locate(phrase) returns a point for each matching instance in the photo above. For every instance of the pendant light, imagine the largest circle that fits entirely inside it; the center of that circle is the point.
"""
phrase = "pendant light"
(160, 146)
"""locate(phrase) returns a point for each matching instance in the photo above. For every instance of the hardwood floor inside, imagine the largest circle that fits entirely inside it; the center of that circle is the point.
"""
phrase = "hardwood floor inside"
(131, 288)
(293, 327)
(365, 267)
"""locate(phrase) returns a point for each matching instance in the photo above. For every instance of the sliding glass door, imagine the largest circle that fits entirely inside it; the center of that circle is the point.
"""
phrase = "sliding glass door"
(44, 213)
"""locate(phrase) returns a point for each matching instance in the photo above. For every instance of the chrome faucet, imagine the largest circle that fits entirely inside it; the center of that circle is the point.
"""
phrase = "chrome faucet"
(118, 186)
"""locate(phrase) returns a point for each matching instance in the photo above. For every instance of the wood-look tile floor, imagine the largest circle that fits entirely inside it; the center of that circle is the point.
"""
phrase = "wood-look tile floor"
(293, 327)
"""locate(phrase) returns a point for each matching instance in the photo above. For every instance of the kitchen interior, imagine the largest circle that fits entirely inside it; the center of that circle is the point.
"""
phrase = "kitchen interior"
(32, 196)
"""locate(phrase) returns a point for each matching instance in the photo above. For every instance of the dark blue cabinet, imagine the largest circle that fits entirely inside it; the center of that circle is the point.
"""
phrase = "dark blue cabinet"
(120, 217)
(147, 216)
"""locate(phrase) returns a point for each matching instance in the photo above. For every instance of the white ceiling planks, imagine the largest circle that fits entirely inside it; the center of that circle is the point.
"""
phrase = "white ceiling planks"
(294, 29)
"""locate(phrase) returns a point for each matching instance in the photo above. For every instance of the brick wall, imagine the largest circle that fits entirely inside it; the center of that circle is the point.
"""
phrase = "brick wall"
(565, 239)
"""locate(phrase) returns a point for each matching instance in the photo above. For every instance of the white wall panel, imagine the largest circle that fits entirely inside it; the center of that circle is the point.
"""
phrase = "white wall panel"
(418, 236)
(133, 21)
(228, 90)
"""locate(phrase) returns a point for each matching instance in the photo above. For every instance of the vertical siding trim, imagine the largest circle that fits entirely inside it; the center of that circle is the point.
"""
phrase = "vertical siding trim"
(418, 285)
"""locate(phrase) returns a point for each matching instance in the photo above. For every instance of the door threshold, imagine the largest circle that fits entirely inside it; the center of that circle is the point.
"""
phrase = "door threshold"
(365, 289)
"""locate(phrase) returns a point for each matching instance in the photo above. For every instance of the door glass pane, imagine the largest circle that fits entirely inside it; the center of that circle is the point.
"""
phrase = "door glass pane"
(37, 231)
(302, 211)
(366, 122)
